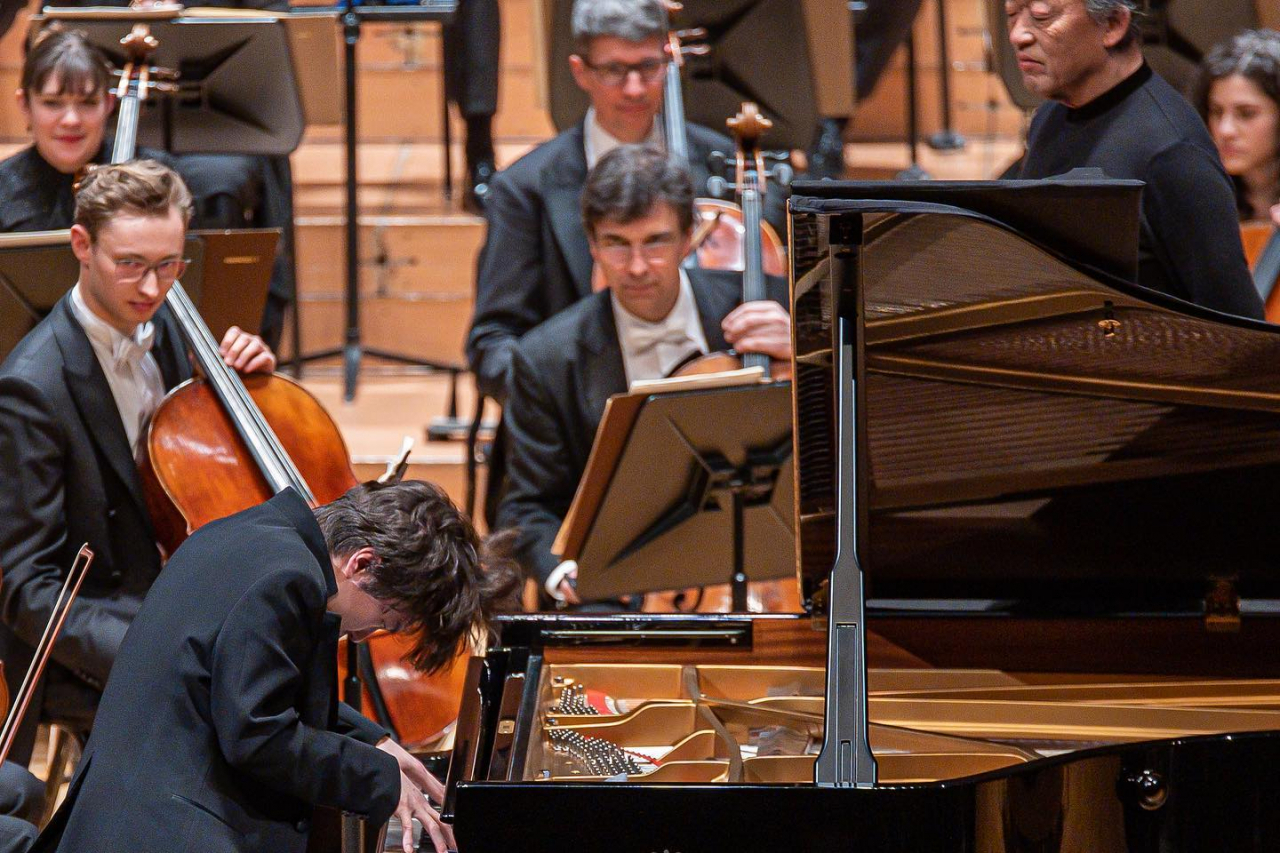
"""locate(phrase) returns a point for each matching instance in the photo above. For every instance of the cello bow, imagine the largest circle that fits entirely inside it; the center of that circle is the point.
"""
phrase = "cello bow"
(44, 649)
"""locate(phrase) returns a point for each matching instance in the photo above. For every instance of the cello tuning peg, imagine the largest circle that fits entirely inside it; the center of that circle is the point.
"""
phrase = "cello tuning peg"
(717, 187)
(716, 161)
(782, 174)
(695, 33)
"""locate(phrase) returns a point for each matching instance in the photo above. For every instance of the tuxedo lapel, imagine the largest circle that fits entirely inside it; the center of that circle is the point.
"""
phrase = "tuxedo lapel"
(603, 374)
(93, 398)
(562, 191)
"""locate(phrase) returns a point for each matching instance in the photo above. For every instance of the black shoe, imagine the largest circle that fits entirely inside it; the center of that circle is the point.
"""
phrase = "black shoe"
(479, 175)
(826, 155)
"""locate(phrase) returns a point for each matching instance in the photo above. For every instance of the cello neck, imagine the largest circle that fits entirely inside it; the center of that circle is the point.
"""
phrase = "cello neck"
(126, 142)
(673, 120)
(747, 127)
(264, 446)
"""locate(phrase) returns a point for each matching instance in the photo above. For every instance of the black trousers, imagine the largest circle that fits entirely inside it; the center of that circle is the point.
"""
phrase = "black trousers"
(471, 58)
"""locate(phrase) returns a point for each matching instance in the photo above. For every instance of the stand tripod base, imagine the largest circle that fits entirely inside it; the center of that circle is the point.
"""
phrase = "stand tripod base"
(947, 140)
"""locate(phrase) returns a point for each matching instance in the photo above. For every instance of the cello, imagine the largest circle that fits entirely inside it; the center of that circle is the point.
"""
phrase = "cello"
(720, 229)
(219, 444)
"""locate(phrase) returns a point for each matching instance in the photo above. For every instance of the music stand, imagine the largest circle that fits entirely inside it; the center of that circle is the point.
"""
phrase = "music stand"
(236, 89)
(353, 351)
(227, 279)
(686, 488)
(759, 53)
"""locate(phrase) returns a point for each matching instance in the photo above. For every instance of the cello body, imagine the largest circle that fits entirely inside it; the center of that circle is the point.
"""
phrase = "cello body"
(203, 468)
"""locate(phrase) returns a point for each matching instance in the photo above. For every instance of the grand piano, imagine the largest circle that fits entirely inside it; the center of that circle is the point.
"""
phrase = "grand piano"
(1037, 548)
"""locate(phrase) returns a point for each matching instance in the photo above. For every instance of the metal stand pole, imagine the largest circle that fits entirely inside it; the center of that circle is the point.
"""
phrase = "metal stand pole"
(351, 351)
(914, 172)
(738, 583)
(946, 139)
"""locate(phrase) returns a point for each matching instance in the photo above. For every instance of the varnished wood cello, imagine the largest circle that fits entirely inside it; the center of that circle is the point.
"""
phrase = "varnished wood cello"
(720, 228)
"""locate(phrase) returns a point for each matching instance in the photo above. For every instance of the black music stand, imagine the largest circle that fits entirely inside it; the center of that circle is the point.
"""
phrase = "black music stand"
(700, 492)
(236, 89)
(353, 351)
(227, 278)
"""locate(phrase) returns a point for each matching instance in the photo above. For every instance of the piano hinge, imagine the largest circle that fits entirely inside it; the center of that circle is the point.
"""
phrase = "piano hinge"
(1222, 607)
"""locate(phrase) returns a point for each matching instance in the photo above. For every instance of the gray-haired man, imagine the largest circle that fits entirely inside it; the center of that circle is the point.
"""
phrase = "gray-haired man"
(1111, 112)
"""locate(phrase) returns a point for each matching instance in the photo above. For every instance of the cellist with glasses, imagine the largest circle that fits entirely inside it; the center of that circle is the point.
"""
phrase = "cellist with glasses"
(75, 398)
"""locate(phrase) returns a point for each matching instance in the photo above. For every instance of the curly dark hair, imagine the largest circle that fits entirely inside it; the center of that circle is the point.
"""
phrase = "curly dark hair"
(1255, 56)
(432, 565)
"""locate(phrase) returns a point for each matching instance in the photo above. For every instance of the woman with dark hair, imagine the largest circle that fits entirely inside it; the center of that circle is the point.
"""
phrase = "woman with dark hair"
(1239, 97)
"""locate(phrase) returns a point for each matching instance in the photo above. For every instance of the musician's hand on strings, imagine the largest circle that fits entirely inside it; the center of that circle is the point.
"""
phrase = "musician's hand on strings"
(414, 769)
(246, 353)
(413, 803)
(762, 326)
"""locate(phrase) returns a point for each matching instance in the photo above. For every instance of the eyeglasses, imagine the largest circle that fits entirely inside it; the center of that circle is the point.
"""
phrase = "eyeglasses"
(616, 73)
(654, 252)
(132, 271)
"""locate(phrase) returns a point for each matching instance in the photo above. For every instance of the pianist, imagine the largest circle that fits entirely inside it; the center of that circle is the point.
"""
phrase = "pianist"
(1113, 113)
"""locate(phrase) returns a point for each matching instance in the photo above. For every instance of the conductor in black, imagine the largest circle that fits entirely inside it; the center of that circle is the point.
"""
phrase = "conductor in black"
(220, 729)
(1110, 111)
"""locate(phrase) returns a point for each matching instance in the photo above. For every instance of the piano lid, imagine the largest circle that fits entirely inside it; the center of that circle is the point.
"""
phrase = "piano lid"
(1037, 433)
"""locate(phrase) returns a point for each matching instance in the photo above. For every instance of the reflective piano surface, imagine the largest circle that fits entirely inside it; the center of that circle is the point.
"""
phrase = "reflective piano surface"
(1064, 489)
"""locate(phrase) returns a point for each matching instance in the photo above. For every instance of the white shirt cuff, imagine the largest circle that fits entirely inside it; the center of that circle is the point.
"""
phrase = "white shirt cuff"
(559, 573)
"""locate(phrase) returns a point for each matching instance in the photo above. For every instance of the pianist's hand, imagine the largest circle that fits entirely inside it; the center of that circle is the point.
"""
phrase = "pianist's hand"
(413, 803)
(414, 769)
(762, 326)
(246, 353)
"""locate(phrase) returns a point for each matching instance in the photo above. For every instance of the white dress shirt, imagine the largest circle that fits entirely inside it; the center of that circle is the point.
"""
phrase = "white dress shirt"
(598, 142)
(130, 368)
(651, 350)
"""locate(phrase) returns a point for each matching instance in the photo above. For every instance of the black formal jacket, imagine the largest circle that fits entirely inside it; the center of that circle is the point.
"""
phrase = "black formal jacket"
(34, 196)
(563, 372)
(536, 261)
(70, 478)
(220, 729)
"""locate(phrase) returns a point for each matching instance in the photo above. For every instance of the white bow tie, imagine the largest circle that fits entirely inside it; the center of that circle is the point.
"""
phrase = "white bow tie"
(129, 351)
(645, 338)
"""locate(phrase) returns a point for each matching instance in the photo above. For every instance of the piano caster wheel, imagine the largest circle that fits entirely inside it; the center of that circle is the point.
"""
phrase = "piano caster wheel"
(1148, 788)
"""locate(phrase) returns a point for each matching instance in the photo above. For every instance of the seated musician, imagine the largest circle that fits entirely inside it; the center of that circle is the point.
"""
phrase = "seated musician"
(76, 396)
(1239, 98)
(21, 805)
(65, 95)
(219, 728)
(638, 208)
(536, 261)
(1111, 112)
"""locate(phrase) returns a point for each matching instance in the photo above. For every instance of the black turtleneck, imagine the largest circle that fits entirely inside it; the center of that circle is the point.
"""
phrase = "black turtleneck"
(34, 196)
(1143, 129)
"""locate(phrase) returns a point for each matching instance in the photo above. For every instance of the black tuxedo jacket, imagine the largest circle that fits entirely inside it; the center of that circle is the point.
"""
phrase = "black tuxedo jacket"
(563, 372)
(220, 729)
(536, 261)
(70, 478)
